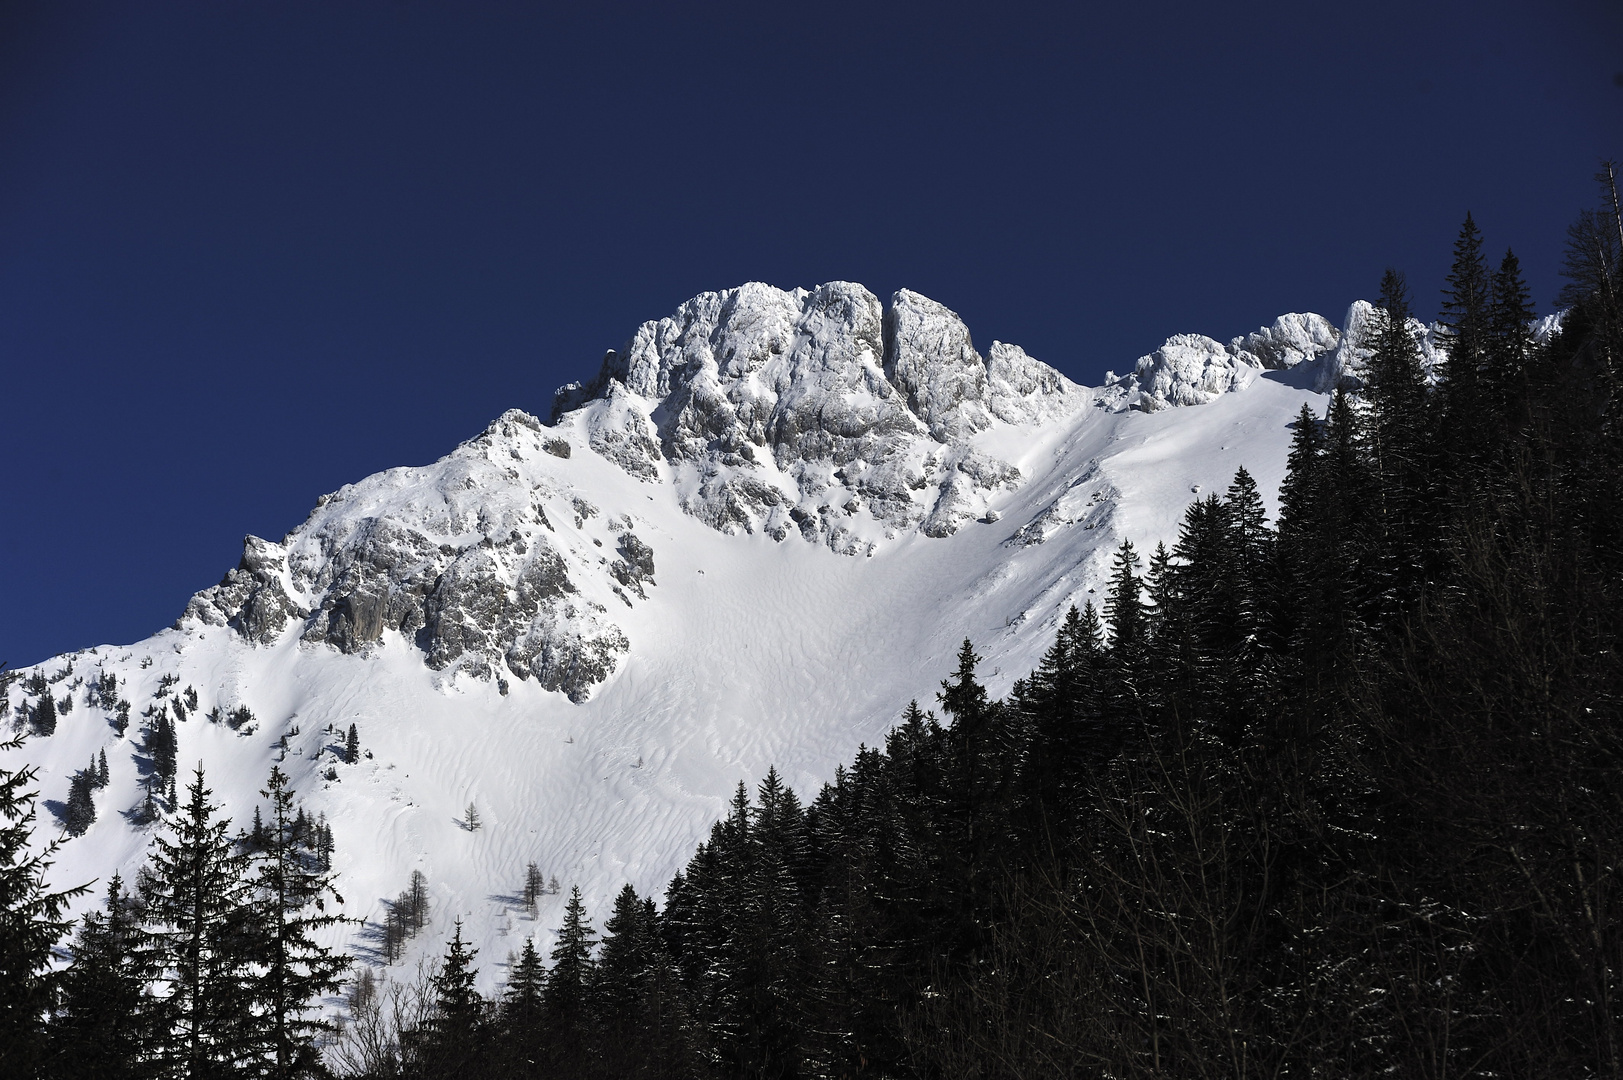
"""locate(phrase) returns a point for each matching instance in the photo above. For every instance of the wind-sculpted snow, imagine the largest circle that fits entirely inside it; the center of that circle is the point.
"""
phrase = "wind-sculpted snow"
(593, 629)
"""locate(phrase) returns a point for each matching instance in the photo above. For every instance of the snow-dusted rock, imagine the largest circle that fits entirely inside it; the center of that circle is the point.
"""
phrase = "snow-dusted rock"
(931, 360)
(1292, 339)
(813, 413)
(1190, 369)
(459, 557)
(1348, 366)
(816, 412)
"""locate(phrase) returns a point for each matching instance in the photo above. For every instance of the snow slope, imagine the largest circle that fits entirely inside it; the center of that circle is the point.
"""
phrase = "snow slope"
(751, 540)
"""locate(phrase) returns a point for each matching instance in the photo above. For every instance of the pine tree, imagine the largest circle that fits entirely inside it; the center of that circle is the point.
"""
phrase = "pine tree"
(31, 923)
(162, 746)
(1124, 607)
(522, 1030)
(45, 715)
(290, 893)
(566, 999)
(622, 963)
(1464, 320)
(417, 896)
(451, 1046)
(80, 812)
(352, 746)
(1401, 439)
(1509, 339)
(102, 775)
(534, 886)
(203, 923)
(102, 1025)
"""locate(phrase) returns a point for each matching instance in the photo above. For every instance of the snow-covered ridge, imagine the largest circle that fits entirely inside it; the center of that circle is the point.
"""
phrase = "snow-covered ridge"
(814, 414)
(593, 628)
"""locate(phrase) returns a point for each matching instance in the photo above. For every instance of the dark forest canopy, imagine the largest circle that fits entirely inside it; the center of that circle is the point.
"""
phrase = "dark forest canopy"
(1339, 795)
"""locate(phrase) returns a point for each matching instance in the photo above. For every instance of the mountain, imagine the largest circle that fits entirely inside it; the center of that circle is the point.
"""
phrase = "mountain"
(761, 529)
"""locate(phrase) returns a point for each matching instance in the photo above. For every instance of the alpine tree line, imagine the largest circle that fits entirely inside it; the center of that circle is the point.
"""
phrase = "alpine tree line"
(1338, 795)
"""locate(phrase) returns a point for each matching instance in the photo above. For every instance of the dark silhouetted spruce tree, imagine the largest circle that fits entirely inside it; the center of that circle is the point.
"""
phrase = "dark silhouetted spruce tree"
(1464, 320)
(45, 715)
(452, 1044)
(1510, 340)
(105, 1014)
(80, 812)
(520, 1022)
(566, 999)
(205, 928)
(31, 923)
(291, 888)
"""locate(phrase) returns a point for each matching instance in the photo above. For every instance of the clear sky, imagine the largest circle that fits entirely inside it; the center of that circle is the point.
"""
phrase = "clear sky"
(252, 251)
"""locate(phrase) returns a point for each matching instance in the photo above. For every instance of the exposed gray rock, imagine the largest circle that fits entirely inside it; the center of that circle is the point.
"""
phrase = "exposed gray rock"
(932, 360)
(799, 411)
(458, 557)
(1189, 369)
(251, 599)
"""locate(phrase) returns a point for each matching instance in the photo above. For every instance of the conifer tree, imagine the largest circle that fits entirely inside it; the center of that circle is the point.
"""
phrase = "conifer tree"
(534, 886)
(105, 1014)
(161, 745)
(522, 1031)
(203, 924)
(1124, 607)
(102, 775)
(1464, 320)
(1509, 340)
(291, 889)
(452, 1043)
(566, 999)
(45, 715)
(1400, 440)
(624, 961)
(352, 745)
(31, 923)
(80, 812)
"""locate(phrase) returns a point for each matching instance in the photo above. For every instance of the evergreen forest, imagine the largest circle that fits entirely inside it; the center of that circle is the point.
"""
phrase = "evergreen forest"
(1339, 794)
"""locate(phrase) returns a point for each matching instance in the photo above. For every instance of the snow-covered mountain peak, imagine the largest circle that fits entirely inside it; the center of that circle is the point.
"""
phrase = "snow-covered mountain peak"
(593, 627)
(816, 412)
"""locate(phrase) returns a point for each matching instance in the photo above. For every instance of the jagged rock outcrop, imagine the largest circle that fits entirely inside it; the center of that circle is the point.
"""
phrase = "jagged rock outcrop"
(1293, 339)
(814, 411)
(251, 599)
(460, 558)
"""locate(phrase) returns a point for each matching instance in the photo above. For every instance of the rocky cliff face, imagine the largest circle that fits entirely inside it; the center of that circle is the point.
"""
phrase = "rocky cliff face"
(816, 412)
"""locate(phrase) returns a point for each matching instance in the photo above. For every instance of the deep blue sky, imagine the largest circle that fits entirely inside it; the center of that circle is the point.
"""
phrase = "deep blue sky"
(252, 251)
